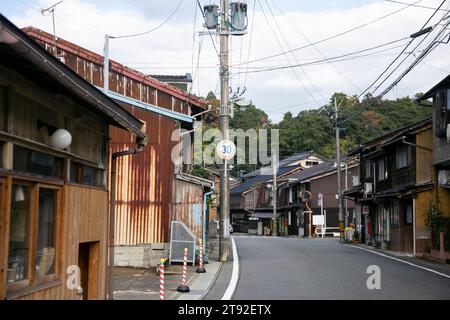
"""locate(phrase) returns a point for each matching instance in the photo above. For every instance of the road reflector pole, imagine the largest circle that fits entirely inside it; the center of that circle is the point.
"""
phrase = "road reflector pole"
(201, 268)
(161, 279)
(184, 287)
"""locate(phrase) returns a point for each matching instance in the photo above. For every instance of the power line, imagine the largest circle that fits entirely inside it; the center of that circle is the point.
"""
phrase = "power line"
(335, 35)
(289, 48)
(417, 60)
(417, 6)
(388, 67)
(316, 48)
(250, 41)
(327, 60)
(285, 55)
(154, 29)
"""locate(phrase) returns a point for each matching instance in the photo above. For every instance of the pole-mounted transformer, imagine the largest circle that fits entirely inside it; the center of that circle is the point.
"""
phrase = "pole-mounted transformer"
(211, 13)
(238, 16)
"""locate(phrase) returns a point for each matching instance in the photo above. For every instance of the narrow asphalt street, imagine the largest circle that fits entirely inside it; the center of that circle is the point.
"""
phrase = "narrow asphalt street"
(289, 268)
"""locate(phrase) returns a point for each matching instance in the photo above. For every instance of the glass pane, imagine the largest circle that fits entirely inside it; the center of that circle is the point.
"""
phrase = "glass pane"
(46, 233)
(19, 233)
(31, 161)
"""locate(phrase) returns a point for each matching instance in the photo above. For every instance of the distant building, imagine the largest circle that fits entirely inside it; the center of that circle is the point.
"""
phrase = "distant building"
(321, 182)
(181, 82)
(250, 200)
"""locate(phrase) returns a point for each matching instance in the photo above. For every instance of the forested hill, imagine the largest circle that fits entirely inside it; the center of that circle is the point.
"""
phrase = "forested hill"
(314, 129)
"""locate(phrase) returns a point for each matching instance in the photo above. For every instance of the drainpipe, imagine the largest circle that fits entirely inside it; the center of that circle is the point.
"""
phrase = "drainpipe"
(205, 195)
(112, 214)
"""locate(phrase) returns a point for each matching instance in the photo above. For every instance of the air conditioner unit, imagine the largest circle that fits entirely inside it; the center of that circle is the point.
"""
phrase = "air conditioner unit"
(368, 188)
(444, 177)
(355, 181)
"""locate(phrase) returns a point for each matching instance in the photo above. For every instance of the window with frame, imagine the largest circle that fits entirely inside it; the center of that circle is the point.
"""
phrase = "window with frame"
(32, 250)
(442, 112)
(368, 168)
(87, 175)
(408, 213)
(35, 162)
(395, 213)
(403, 156)
(382, 172)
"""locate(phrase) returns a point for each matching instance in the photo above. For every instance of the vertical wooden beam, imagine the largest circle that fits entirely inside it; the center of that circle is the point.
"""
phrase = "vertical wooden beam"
(10, 110)
(5, 204)
(8, 149)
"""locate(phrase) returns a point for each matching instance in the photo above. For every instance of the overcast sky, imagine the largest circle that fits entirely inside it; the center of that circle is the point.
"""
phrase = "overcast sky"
(174, 48)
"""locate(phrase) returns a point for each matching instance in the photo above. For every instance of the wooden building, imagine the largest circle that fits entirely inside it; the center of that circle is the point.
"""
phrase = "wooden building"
(440, 95)
(54, 134)
(321, 182)
(396, 188)
(151, 190)
(250, 200)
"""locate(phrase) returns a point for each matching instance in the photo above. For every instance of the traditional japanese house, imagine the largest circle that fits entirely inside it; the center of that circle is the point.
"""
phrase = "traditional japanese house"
(321, 183)
(54, 140)
(251, 200)
(440, 95)
(151, 189)
(396, 187)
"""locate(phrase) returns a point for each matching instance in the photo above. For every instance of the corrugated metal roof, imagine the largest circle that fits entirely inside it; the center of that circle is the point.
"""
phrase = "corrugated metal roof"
(117, 67)
(26, 50)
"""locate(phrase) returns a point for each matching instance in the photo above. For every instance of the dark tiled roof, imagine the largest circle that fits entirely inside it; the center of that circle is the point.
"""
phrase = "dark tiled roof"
(172, 78)
(443, 84)
(248, 183)
(316, 170)
(283, 163)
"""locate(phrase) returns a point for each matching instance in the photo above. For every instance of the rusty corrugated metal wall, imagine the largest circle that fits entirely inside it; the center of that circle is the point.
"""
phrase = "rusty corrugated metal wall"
(144, 182)
(187, 205)
(147, 193)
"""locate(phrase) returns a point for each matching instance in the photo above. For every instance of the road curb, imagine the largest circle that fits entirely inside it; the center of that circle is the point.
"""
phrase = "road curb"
(212, 282)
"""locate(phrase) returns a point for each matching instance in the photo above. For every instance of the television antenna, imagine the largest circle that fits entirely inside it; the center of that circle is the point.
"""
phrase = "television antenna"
(51, 10)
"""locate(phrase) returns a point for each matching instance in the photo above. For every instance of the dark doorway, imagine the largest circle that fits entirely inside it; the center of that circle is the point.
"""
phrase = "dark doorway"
(88, 261)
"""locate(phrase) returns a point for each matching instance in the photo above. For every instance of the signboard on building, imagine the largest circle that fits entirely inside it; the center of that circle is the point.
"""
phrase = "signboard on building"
(365, 209)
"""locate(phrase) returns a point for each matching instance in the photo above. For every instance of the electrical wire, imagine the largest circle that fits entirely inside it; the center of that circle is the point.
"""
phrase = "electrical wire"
(293, 55)
(408, 55)
(286, 56)
(316, 48)
(417, 6)
(250, 41)
(433, 44)
(334, 59)
(154, 29)
(336, 35)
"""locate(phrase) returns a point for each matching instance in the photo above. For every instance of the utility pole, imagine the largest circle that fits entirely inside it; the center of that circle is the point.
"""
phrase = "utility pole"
(338, 163)
(274, 194)
(106, 64)
(224, 123)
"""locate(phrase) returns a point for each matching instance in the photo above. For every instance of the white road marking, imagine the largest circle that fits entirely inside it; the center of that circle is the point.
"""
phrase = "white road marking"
(234, 275)
(403, 261)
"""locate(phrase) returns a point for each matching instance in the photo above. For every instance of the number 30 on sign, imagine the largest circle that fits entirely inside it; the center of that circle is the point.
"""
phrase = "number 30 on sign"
(226, 150)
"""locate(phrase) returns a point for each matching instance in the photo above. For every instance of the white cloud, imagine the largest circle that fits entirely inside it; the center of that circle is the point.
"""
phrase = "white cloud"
(169, 49)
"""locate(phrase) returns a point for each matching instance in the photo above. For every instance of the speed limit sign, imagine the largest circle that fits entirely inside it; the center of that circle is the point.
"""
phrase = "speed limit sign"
(226, 149)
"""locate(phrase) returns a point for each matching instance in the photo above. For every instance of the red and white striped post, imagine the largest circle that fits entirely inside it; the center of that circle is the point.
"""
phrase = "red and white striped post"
(184, 287)
(201, 268)
(161, 279)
